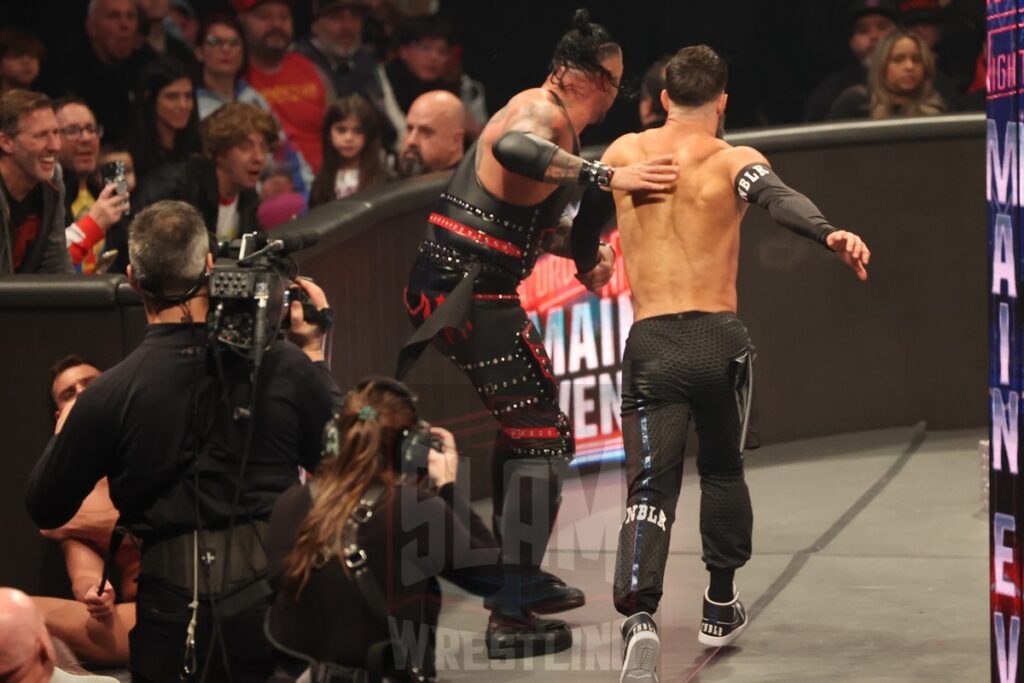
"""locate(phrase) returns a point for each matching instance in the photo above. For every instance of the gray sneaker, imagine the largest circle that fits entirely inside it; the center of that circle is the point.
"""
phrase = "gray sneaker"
(642, 649)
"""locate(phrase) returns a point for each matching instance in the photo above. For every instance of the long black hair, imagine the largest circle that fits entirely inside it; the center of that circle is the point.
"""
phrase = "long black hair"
(583, 48)
(371, 167)
(143, 141)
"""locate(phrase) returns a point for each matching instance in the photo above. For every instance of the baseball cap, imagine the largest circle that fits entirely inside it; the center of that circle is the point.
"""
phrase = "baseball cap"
(324, 6)
(886, 8)
(921, 11)
(243, 6)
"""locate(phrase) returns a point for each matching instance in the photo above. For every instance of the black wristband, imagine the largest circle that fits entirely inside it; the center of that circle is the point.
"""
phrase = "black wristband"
(595, 173)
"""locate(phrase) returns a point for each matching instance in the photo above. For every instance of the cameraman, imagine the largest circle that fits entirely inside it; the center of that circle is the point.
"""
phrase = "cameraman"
(168, 426)
(358, 604)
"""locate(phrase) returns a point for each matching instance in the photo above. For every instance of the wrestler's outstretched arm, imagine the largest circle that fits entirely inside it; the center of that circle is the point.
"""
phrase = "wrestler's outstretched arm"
(756, 183)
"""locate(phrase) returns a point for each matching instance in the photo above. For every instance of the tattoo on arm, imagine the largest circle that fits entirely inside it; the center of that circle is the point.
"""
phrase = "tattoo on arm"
(557, 241)
(547, 121)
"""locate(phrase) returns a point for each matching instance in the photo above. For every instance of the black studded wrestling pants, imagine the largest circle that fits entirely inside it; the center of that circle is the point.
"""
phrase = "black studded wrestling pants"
(674, 367)
(503, 354)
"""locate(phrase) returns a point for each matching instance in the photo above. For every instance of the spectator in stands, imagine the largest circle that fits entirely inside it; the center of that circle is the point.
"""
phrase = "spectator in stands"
(353, 159)
(221, 54)
(424, 49)
(924, 18)
(166, 125)
(336, 47)
(90, 210)
(183, 14)
(105, 72)
(901, 78)
(221, 183)
(434, 134)
(20, 57)
(470, 91)
(295, 89)
(153, 24)
(652, 113)
(31, 186)
(871, 21)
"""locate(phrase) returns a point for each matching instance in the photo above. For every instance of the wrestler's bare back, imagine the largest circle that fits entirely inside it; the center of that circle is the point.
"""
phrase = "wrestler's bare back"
(681, 247)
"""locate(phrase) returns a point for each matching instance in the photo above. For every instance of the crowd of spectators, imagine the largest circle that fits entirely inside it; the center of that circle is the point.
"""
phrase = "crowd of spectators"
(367, 95)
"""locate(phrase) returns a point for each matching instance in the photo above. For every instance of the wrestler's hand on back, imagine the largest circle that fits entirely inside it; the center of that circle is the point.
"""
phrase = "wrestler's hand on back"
(656, 175)
(851, 250)
(598, 276)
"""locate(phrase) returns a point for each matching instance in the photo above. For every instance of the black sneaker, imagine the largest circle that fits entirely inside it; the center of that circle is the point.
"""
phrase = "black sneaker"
(527, 636)
(722, 623)
(642, 649)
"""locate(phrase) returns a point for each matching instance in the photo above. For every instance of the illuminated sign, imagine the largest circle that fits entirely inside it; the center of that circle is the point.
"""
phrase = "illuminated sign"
(584, 335)
(1004, 141)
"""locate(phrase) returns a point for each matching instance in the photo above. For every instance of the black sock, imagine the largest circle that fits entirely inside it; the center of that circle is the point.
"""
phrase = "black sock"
(720, 589)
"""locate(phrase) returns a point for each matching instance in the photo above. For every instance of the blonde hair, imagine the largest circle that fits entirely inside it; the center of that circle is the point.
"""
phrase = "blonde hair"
(884, 102)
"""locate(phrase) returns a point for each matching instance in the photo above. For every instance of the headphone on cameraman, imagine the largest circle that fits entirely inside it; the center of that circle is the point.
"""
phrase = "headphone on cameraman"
(411, 451)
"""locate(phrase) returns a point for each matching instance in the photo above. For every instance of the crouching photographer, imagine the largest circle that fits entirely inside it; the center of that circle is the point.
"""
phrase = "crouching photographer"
(358, 550)
(197, 440)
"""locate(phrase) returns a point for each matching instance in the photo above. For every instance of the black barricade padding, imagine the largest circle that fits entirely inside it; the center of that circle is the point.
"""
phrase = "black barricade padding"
(834, 355)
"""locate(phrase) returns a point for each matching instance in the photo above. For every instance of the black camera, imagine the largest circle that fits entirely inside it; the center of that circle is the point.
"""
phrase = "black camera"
(249, 288)
(417, 442)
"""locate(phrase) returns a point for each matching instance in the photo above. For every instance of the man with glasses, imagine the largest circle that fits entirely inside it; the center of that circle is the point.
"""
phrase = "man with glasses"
(31, 187)
(90, 209)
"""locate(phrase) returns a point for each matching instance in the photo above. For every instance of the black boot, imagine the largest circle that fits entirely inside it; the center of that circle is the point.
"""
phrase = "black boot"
(515, 637)
(540, 592)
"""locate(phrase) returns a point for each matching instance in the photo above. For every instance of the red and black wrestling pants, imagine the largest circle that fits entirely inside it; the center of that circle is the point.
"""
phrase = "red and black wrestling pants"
(476, 320)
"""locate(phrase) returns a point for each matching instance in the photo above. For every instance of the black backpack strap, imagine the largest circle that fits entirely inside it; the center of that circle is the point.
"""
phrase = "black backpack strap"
(353, 556)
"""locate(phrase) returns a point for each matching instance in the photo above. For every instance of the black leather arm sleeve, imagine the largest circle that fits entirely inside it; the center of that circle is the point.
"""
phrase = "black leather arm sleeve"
(757, 184)
(524, 153)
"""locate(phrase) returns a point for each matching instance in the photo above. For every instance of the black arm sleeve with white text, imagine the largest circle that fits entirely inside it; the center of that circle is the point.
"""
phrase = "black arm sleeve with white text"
(757, 184)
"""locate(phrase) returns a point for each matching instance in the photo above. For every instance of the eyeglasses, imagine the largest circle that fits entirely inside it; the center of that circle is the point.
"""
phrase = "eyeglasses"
(75, 131)
(214, 41)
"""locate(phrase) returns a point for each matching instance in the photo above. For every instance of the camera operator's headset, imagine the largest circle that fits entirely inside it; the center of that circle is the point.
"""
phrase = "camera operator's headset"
(412, 449)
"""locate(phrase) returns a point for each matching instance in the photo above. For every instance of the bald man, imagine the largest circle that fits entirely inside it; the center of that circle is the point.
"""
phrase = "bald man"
(27, 654)
(26, 651)
(435, 131)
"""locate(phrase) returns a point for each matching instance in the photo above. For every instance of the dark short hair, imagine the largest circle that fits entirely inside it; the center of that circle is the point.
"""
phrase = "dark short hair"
(695, 76)
(654, 83)
(72, 360)
(15, 43)
(584, 46)
(424, 28)
(17, 103)
(66, 100)
(167, 246)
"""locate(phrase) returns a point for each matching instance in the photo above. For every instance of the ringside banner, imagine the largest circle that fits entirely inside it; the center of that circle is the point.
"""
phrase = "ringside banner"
(1004, 192)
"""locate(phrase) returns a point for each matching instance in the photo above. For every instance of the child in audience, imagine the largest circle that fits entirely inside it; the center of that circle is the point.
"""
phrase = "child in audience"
(352, 151)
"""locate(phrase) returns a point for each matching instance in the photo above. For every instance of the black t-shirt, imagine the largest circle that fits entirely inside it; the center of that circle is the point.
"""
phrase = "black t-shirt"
(32, 204)
(136, 424)
(413, 536)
